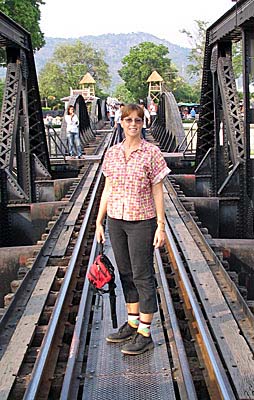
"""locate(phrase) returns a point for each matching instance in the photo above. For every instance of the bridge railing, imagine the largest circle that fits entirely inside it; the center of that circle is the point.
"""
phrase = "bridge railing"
(57, 148)
(189, 142)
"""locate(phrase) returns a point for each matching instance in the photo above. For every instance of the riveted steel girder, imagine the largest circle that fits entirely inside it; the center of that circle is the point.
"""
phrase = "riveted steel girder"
(168, 128)
(232, 114)
(23, 146)
(223, 165)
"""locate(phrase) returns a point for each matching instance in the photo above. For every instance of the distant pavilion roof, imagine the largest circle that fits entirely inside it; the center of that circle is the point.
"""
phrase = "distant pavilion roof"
(155, 77)
(87, 78)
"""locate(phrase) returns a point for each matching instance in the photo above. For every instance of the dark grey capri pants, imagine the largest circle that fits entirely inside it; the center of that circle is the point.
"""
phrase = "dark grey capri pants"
(132, 244)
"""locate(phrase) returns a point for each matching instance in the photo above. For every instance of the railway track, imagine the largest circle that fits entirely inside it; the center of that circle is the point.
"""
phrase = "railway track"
(219, 320)
(43, 282)
(203, 340)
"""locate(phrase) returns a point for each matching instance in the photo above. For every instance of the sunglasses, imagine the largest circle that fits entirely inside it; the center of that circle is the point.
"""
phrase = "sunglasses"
(135, 120)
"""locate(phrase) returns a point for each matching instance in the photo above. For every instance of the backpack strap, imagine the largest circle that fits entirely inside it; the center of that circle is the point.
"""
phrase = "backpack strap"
(101, 249)
(111, 289)
(112, 299)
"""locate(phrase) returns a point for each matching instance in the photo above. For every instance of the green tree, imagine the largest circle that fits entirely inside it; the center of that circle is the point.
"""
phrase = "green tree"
(197, 40)
(27, 14)
(68, 65)
(138, 65)
(237, 59)
(51, 82)
(123, 94)
(187, 93)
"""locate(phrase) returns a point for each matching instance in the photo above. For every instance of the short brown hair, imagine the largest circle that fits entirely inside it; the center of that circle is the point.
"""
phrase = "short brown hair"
(68, 109)
(129, 108)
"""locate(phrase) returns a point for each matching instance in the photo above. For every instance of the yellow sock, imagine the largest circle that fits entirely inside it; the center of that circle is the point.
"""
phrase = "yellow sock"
(133, 320)
(144, 328)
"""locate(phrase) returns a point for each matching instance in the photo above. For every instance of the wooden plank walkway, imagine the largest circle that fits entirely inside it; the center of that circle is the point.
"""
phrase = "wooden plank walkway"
(235, 350)
(13, 357)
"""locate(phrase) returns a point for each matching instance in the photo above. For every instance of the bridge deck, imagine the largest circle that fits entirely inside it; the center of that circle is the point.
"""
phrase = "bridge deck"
(112, 375)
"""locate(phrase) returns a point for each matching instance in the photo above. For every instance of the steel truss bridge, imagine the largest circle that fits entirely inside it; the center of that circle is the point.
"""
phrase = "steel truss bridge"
(223, 163)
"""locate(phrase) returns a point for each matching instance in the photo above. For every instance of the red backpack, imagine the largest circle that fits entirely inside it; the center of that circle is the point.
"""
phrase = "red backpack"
(100, 273)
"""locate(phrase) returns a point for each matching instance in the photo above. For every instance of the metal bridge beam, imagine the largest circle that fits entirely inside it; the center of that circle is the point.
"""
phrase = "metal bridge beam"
(228, 26)
(23, 147)
(223, 165)
(12, 33)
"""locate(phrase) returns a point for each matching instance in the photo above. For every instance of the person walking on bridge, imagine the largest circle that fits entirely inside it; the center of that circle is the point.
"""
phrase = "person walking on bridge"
(72, 130)
(146, 120)
(153, 111)
(118, 125)
(133, 201)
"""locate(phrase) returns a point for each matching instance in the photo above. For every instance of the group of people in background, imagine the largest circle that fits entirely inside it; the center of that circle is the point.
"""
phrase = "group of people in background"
(72, 130)
(49, 120)
(115, 112)
(188, 113)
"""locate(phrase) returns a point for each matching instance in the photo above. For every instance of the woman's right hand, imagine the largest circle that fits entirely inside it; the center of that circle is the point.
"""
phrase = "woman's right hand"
(100, 235)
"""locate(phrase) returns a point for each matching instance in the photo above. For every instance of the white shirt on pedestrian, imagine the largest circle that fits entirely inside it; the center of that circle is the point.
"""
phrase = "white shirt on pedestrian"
(118, 115)
(72, 123)
(146, 116)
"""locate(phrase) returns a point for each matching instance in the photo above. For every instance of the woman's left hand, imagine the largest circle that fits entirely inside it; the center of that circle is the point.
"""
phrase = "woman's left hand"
(159, 238)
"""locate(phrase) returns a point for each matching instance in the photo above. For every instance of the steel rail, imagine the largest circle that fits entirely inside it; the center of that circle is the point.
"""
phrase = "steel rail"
(222, 381)
(190, 392)
(78, 330)
(40, 363)
(67, 386)
(39, 264)
(210, 256)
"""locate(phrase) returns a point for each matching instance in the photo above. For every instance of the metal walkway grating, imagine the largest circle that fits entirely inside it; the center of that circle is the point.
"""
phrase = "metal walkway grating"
(112, 376)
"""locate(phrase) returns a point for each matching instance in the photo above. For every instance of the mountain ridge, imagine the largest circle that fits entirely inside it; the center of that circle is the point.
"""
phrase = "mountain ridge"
(115, 47)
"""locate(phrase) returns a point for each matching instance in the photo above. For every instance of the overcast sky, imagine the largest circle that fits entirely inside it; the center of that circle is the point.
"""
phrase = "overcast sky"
(75, 18)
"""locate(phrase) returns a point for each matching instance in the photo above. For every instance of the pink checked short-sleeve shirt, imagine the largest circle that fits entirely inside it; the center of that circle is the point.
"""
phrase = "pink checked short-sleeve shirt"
(131, 180)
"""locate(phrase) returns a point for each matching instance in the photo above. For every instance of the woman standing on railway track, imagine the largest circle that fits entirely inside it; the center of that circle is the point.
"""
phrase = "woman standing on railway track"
(133, 201)
(72, 130)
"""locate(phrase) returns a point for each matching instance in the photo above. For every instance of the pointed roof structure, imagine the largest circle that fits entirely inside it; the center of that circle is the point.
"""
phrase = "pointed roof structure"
(155, 77)
(155, 86)
(87, 78)
(87, 84)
